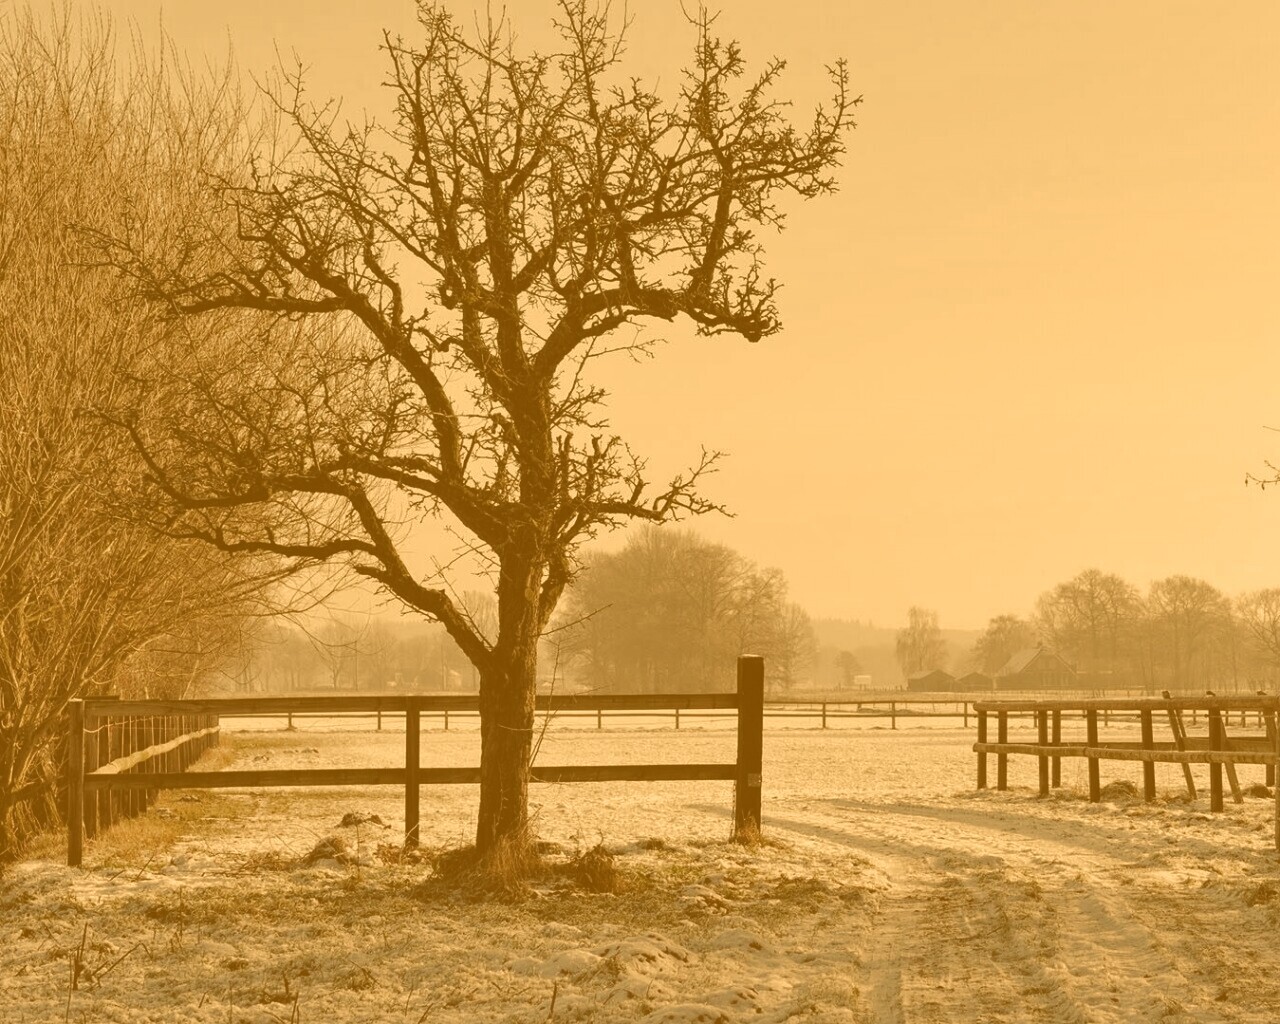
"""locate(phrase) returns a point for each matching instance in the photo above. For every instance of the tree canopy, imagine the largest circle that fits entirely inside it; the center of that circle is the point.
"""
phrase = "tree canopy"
(439, 284)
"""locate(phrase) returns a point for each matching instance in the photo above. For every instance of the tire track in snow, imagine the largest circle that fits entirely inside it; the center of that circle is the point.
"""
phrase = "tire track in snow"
(987, 917)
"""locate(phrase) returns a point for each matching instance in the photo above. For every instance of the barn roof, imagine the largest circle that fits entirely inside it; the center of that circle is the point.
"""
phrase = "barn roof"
(974, 675)
(930, 674)
(1022, 660)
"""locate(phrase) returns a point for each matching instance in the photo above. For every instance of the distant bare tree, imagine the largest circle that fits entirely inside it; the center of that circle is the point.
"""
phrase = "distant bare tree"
(794, 646)
(672, 611)
(1259, 615)
(1191, 627)
(920, 646)
(849, 666)
(1092, 620)
(1004, 636)
(519, 217)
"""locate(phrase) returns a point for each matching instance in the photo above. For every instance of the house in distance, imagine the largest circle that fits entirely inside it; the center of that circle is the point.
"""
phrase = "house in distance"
(1035, 668)
(933, 681)
(974, 681)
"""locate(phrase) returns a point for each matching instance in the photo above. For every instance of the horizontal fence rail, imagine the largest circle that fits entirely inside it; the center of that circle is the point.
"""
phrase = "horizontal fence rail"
(1216, 749)
(118, 778)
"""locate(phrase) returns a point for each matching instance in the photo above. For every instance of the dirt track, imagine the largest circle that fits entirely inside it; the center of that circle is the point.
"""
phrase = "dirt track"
(1012, 909)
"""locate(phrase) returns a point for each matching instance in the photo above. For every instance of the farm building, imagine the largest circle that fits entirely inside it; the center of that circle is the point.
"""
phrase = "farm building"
(974, 681)
(1035, 669)
(933, 681)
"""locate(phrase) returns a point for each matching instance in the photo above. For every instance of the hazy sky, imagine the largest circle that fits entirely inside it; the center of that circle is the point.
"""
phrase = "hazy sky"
(1035, 331)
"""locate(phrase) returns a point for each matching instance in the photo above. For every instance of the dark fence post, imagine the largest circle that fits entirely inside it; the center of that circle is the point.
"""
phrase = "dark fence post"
(1091, 740)
(1042, 737)
(982, 754)
(75, 783)
(1002, 759)
(1270, 719)
(1215, 767)
(747, 784)
(1056, 763)
(1148, 767)
(412, 740)
(91, 763)
(1276, 750)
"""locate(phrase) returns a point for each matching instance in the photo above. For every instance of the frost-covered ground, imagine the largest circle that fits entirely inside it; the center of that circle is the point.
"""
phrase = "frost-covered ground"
(888, 891)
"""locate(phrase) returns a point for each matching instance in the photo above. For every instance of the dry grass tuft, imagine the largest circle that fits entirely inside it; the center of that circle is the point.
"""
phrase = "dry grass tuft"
(139, 842)
(268, 860)
(393, 854)
(749, 834)
(1120, 789)
(1264, 893)
(504, 871)
(596, 871)
(329, 848)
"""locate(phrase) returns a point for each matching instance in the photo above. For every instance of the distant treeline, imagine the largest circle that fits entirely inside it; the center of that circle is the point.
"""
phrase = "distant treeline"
(1182, 634)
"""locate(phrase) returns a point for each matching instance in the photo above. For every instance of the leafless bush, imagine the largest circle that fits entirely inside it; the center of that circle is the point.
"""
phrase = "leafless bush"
(89, 596)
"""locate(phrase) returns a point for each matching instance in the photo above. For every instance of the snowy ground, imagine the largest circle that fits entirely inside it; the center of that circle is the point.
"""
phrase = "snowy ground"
(888, 891)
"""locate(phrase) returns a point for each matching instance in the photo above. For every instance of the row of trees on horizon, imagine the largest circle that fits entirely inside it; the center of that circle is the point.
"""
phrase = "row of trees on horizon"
(668, 612)
(1182, 633)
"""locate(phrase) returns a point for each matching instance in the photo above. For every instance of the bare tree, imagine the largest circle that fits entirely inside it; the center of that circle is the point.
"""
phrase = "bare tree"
(1004, 636)
(1093, 620)
(672, 611)
(794, 646)
(1259, 615)
(519, 216)
(88, 596)
(1191, 625)
(919, 645)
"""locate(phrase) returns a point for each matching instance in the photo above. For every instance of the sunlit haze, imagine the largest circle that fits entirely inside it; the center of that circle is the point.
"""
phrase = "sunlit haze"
(1035, 330)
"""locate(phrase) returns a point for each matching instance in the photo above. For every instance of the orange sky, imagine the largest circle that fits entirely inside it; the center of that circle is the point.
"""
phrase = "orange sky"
(1036, 330)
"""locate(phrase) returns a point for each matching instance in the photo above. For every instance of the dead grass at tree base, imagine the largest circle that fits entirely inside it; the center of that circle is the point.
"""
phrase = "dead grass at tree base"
(503, 872)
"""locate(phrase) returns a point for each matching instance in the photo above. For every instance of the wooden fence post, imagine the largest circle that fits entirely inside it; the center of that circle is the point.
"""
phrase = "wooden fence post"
(1271, 735)
(965, 706)
(747, 783)
(91, 762)
(1276, 749)
(1002, 759)
(1180, 743)
(1056, 763)
(824, 714)
(677, 719)
(75, 783)
(134, 795)
(1215, 767)
(1091, 740)
(893, 714)
(1042, 735)
(1148, 767)
(982, 754)
(412, 741)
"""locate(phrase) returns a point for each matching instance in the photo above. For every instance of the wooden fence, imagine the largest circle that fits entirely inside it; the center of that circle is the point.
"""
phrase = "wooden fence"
(1216, 749)
(110, 739)
(121, 777)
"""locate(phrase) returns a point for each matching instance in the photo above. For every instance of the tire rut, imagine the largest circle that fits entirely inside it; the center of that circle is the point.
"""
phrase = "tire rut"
(986, 920)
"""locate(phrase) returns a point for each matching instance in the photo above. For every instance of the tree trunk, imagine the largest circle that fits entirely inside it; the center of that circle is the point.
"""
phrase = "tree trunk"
(506, 740)
(508, 685)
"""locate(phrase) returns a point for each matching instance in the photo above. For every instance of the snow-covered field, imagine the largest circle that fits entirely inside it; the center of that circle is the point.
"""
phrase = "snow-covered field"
(887, 890)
